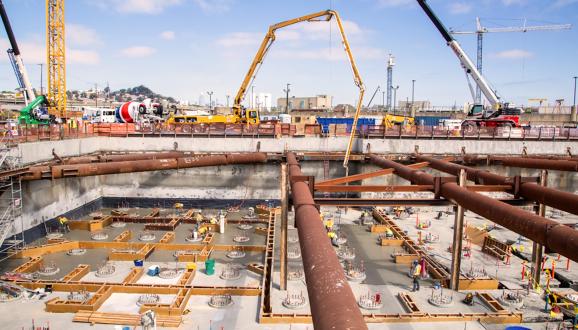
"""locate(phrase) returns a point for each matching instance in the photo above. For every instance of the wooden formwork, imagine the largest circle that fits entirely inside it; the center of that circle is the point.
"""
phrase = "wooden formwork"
(478, 284)
(495, 248)
(390, 242)
(141, 254)
(195, 256)
(208, 238)
(491, 302)
(379, 229)
(408, 303)
(169, 226)
(57, 305)
(133, 276)
(489, 318)
(187, 277)
(125, 236)
(30, 266)
(167, 238)
(36, 251)
(176, 308)
(77, 273)
(90, 225)
(256, 268)
(261, 231)
(124, 319)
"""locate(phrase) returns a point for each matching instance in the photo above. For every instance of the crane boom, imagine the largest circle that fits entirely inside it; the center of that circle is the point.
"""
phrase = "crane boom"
(464, 59)
(16, 58)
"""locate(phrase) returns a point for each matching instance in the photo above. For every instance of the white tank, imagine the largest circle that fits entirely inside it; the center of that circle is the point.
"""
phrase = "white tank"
(128, 112)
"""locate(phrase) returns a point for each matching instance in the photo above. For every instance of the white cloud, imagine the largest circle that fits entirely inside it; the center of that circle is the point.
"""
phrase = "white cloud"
(394, 3)
(168, 35)
(214, 6)
(136, 6)
(89, 57)
(81, 35)
(34, 53)
(240, 39)
(457, 8)
(137, 51)
(513, 54)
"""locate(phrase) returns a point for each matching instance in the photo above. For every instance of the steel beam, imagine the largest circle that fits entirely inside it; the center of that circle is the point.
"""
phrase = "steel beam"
(284, 212)
(79, 170)
(363, 176)
(414, 188)
(551, 234)
(372, 202)
(123, 157)
(333, 305)
(557, 199)
(457, 244)
(546, 164)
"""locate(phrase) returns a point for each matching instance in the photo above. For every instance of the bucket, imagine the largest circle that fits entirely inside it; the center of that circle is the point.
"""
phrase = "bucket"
(210, 266)
(138, 263)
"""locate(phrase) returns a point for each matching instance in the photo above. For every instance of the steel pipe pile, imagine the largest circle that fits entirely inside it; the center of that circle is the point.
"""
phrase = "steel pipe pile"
(123, 157)
(551, 234)
(79, 170)
(557, 199)
(544, 164)
(333, 305)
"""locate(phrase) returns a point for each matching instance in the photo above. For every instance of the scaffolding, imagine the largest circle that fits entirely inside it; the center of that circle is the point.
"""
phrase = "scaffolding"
(11, 223)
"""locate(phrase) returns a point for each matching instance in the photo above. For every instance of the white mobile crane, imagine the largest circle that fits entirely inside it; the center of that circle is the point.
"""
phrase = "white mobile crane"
(33, 113)
(501, 115)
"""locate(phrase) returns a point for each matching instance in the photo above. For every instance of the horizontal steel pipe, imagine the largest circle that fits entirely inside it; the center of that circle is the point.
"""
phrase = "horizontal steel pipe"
(78, 170)
(123, 157)
(333, 305)
(545, 164)
(558, 199)
(556, 237)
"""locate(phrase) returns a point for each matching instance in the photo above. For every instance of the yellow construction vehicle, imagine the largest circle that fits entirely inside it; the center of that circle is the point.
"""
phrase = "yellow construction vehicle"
(389, 121)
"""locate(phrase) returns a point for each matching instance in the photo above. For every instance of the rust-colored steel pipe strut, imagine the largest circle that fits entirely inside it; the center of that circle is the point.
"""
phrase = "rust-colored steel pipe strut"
(544, 164)
(123, 157)
(557, 199)
(554, 236)
(333, 305)
(62, 171)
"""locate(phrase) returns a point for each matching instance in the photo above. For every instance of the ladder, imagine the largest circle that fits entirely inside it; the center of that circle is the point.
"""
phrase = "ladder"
(10, 205)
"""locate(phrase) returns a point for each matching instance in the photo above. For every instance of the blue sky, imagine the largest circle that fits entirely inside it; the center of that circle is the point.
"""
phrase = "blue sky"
(186, 47)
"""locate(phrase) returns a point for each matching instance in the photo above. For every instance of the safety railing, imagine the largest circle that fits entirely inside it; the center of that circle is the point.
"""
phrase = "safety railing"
(33, 133)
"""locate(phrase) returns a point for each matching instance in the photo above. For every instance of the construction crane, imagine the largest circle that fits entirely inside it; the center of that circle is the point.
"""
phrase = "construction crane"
(501, 114)
(56, 58)
(373, 96)
(322, 16)
(33, 112)
(481, 30)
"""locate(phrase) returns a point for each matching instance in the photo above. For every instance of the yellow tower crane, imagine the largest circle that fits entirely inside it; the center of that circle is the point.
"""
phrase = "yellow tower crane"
(56, 58)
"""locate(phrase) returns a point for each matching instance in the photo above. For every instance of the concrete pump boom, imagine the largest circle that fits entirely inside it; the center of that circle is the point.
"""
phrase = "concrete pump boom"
(325, 15)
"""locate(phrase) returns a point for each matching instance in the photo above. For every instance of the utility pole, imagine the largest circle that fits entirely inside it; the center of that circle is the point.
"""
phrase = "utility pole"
(573, 116)
(287, 90)
(41, 78)
(210, 100)
(395, 98)
(412, 97)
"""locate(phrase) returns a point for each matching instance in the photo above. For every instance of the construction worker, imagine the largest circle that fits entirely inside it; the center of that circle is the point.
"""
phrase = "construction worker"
(64, 225)
(328, 224)
(416, 273)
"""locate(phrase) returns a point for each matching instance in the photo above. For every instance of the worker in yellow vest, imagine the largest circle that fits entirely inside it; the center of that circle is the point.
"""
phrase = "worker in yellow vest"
(63, 225)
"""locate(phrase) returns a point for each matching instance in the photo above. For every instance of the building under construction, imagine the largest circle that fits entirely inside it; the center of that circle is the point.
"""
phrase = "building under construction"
(226, 222)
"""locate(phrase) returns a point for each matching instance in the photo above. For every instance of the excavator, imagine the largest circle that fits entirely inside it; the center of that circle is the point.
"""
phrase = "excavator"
(500, 114)
(251, 116)
(35, 111)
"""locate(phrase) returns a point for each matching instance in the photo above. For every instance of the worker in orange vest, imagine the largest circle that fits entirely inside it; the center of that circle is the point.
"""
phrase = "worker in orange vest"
(416, 273)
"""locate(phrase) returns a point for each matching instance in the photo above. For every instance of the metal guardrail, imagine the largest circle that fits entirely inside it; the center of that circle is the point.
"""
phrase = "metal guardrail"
(34, 133)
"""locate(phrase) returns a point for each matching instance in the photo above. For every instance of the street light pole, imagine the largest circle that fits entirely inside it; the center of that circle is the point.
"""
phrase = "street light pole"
(41, 78)
(383, 99)
(412, 97)
(252, 105)
(228, 96)
(287, 90)
(210, 100)
(395, 98)
(573, 114)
